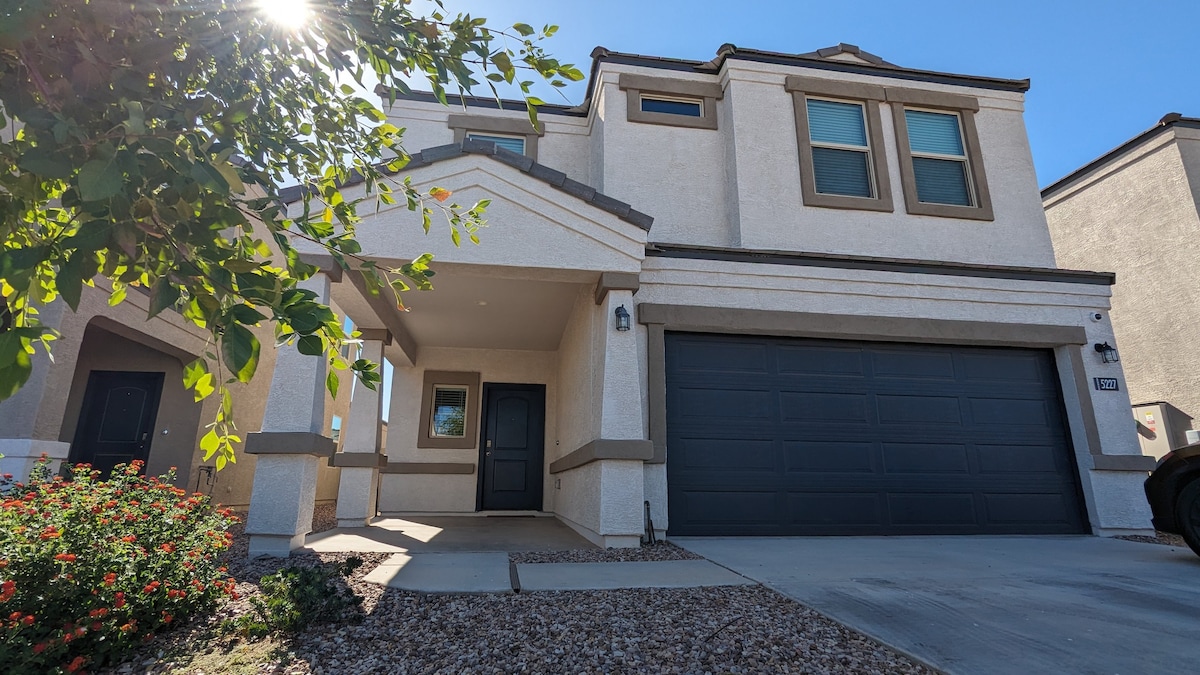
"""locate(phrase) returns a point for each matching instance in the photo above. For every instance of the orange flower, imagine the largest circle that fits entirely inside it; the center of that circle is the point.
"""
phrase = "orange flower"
(110, 578)
(28, 620)
(98, 613)
(75, 665)
(129, 539)
(65, 557)
(168, 547)
(15, 616)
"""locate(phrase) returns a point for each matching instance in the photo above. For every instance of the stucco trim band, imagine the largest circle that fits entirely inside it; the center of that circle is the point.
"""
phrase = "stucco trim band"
(367, 460)
(878, 264)
(616, 281)
(470, 417)
(706, 93)
(1140, 463)
(660, 318)
(601, 449)
(870, 96)
(440, 468)
(289, 443)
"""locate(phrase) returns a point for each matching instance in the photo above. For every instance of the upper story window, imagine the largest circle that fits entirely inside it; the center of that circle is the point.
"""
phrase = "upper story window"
(515, 134)
(669, 101)
(841, 153)
(514, 143)
(939, 158)
(941, 165)
(840, 140)
(672, 106)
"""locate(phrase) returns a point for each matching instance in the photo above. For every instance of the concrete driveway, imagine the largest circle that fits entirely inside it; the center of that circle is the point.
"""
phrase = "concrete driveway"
(992, 604)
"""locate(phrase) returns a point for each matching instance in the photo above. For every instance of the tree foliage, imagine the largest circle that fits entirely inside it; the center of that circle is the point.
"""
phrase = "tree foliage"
(147, 141)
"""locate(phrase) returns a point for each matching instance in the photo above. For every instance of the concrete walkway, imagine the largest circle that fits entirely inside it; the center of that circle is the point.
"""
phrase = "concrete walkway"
(492, 573)
(992, 604)
(450, 534)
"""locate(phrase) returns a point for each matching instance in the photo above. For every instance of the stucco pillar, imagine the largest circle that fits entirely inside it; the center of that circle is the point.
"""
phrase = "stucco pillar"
(360, 458)
(289, 449)
(22, 443)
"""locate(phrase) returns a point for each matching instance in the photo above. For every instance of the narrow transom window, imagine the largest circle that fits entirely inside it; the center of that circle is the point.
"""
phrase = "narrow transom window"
(841, 152)
(688, 107)
(939, 158)
(449, 412)
(513, 143)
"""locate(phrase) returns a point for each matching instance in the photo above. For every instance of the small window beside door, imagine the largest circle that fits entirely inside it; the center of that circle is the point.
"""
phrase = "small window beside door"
(512, 143)
(449, 411)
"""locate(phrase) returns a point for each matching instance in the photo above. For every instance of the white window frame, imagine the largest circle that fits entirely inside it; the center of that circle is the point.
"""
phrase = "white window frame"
(673, 99)
(964, 158)
(433, 427)
(839, 146)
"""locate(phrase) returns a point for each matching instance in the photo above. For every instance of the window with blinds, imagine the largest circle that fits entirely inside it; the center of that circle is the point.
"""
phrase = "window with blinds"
(449, 412)
(939, 158)
(840, 150)
(513, 143)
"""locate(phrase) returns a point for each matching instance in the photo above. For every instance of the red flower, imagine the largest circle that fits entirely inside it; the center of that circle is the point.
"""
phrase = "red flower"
(28, 620)
(120, 600)
(110, 578)
(129, 539)
(39, 648)
(76, 664)
(65, 557)
(167, 618)
(15, 616)
(168, 547)
(98, 613)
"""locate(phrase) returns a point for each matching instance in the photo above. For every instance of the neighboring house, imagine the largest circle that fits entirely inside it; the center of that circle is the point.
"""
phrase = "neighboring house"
(845, 318)
(1134, 211)
(114, 393)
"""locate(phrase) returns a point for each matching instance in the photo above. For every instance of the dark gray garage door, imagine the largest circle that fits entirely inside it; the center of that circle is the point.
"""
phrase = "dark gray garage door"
(783, 436)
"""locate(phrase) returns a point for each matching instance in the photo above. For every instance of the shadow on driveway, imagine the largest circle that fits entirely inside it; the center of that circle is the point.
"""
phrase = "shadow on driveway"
(992, 604)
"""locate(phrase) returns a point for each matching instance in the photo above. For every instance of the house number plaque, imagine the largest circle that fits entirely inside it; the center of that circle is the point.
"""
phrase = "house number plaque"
(1106, 384)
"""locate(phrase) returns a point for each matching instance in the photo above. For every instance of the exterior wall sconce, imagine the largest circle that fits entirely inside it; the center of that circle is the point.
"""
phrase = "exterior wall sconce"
(1107, 352)
(622, 318)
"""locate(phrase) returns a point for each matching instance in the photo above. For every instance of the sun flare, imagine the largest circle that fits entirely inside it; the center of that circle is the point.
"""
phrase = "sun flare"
(289, 14)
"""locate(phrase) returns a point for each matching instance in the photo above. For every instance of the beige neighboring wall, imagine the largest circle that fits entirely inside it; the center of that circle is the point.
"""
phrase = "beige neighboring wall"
(1136, 215)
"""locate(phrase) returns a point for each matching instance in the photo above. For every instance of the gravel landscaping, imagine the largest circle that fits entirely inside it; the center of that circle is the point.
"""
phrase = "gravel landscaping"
(747, 629)
(658, 552)
(1162, 538)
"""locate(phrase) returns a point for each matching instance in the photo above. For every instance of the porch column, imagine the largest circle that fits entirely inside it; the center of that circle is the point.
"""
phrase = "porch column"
(22, 442)
(360, 458)
(289, 449)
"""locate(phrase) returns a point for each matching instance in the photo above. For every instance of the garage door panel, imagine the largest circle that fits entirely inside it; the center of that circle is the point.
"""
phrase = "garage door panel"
(923, 410)
(724, 356)
(828, 457)
(820, 361)
(795, 406)
(727, 454)
(829, 509)
(932, 509)
(924, 458)
(1009, 412)
(922, 365)
(839, 437)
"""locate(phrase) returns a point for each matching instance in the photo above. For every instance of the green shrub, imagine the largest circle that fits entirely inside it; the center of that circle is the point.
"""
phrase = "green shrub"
(91, 568)
(295, 598)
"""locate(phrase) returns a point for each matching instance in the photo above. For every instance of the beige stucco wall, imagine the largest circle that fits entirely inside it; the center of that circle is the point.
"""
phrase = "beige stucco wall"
(1137, 216)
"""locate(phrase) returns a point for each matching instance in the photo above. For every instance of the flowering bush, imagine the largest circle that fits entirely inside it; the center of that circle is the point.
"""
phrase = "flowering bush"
(91, 568)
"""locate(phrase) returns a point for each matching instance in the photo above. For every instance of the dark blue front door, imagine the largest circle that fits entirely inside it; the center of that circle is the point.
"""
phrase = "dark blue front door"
(514, 430)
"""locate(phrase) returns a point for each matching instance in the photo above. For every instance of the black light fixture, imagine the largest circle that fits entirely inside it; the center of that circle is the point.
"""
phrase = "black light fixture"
(1107, 352)
(622, 318)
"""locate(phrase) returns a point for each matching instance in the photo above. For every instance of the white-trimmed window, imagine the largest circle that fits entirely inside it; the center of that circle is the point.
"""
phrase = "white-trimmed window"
(940, 165)
(841, 149)
(514, 143)
(448, 412)
(672, 105)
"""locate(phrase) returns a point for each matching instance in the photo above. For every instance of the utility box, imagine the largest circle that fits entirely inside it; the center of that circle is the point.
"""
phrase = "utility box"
(1161, 427)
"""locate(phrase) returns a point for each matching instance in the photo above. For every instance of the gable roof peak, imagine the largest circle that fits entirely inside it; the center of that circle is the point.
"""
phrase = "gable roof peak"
(844, 49)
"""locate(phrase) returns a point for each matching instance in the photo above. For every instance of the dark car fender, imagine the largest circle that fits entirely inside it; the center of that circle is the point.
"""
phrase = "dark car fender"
(1175, 470)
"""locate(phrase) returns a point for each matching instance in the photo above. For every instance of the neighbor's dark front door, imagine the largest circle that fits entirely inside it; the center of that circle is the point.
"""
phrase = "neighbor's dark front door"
(514, 429)
(116, 423)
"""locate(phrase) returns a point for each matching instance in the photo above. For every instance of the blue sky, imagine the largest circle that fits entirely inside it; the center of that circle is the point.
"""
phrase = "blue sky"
(1102, 71)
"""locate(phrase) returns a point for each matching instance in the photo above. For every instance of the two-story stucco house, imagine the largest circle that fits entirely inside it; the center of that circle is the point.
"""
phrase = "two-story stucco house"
(768, 294)
(1134, 211)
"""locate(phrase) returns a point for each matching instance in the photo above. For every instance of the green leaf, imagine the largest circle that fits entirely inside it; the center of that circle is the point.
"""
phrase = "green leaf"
(209, 444)
(99, 180)
(310, 345)
(45, 164)
(15, 364)
(239, 351)
(69, 282)
(163, 294)
(332, 383)
(524, 29)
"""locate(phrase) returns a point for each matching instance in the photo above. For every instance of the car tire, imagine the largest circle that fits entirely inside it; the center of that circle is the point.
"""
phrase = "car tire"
(1187, 514)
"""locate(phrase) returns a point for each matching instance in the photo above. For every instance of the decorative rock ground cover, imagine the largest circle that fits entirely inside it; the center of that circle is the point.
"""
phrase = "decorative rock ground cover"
(747, 629)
